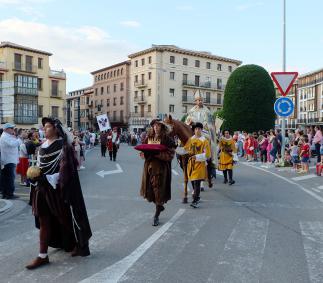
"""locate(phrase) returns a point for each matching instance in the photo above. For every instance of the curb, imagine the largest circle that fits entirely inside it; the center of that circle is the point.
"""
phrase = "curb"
(6, 207)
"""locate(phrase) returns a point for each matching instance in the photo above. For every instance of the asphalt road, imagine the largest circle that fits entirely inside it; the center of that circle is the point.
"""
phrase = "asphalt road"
(266, 228)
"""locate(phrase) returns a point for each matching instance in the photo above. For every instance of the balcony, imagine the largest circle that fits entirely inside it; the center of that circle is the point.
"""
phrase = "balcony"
(90, 104)
(57, 74)
(140, 84)
(307, 121)
(144, 114)
(28, 68)
(56, 94)
(141, 99)
(26, 91)
(208, 101)
(26, 120)
(202, 85)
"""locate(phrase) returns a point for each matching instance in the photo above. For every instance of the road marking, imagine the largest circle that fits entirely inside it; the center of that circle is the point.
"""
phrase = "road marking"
(175, 172)
(243, 253)
(305, 177)
(173, 243)
(102, 173)
(316, 190)
(312, 233)
(320, 187)
(8, 205)
(113, 273)
(314, 195)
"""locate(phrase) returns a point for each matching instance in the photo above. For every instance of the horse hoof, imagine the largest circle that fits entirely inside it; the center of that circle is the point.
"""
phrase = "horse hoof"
(185, 200)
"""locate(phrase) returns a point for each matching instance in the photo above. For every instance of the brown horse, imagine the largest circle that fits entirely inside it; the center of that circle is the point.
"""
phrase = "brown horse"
(183, 132)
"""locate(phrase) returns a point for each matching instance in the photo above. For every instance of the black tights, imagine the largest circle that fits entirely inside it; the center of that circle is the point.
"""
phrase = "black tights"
(225, 174)
(159, 209)
(44, 232)
(197, 188)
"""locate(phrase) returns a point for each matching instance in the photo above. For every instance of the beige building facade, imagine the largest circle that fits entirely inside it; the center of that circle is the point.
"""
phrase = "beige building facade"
(111, 93)
(164, 79)
(29, 89)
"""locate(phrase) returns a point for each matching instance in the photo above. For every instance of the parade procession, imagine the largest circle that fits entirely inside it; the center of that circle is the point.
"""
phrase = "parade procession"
(131, 153)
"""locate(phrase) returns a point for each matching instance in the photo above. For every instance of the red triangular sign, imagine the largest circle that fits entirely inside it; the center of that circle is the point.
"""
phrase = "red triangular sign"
(284, 81)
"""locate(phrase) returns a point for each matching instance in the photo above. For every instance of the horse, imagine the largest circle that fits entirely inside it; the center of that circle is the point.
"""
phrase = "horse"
(184, 133)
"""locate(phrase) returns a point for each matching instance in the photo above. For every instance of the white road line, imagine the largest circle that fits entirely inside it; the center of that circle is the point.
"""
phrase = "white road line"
(173, 242)
(113, 273)
(175, 172)
(314, 195)
(320, 187)
(316, 190)
(305, 177)
(312, 233)
(243, 253)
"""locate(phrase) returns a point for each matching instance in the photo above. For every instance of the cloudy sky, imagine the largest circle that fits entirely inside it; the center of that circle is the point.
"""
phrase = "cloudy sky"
(88, 35)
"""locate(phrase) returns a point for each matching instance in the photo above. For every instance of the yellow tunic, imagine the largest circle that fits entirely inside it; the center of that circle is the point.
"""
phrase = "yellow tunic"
(200, 148)
(226, 158)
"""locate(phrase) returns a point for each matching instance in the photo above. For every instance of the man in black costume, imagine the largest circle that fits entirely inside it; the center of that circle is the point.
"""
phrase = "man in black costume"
(56, 197)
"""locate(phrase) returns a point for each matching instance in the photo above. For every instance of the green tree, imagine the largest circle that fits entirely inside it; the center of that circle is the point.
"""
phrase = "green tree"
(249, 99)
(218, 113)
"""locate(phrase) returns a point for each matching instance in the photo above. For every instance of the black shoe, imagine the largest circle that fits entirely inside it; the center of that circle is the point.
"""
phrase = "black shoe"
(114, 160)
(156, 221)
(12, 197)
(194, 204)
(202, 189)
(231, 182)
(162, 208)
(225, 181)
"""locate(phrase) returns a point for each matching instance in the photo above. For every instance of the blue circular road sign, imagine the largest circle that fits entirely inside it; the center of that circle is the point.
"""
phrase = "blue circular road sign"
(284, 106)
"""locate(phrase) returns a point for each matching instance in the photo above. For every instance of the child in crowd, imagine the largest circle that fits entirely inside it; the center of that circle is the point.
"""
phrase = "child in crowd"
(305, 155)
(295, 155)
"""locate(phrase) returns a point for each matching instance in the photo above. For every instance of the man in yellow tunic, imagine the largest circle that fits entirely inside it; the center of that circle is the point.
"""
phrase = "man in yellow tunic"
(198, 147)
(227, 148)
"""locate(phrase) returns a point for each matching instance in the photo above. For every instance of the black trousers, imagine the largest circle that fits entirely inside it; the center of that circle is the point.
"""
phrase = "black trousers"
(103, 149)
(197, 189)
(113, 153)
(263, 155)
(317, 149)
(225, 174)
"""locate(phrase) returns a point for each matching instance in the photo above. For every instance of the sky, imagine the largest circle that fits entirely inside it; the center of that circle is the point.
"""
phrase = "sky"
(88, 35)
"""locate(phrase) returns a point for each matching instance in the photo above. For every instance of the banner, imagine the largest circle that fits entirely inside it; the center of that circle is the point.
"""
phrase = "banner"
(103, 122)
(218, 123)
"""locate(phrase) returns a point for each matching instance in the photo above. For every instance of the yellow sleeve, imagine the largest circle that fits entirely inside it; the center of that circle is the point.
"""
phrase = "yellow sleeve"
(233, 147)
(207, 149)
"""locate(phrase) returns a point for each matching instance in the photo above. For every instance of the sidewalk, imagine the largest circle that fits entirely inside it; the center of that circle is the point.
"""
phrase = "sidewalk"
(5, 205)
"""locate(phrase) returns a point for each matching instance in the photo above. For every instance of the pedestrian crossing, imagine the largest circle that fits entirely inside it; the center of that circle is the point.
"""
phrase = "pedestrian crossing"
(239, 258)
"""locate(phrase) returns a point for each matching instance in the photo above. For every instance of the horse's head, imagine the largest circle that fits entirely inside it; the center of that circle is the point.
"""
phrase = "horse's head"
(178, 128)
(168, 120)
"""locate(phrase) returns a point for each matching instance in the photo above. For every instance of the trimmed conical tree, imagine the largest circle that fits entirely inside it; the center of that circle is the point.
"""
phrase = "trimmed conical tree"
(249, 99)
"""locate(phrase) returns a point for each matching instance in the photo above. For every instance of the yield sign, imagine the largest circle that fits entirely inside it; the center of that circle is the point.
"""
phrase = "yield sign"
(284, 81)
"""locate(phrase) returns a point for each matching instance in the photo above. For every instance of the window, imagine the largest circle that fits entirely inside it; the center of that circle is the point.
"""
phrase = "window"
(121, 72)
(26, 109)
(230, 69)
(102, 90)
(218, 98)
(142, 78)
(108, 102)
(208, 65)
(185, 79)
(149, 60)
(105, 76)
(29, 63)
(172, 75)
(219, 68)
(114, 115)
(197, 63)
(136, 78)
(114, 101)
(207, 97)
(172, 92)
(136, 94)
(114, 88)
(40, 84)
(121, 86)
(108, 89)
(219, 83)
(18, 65)
(172, 59)
(197, 81)
(149, 91)
(121, 100)
(55, 91)
(142, 61)
(118, 72)
(136, 109)
(40, 63)
(114, 73)
(185, 61)
(171, 108)
(121, 115)
(185, 109)
(149, 107)
(55, 111)
(136, 63)
(96, 91)
(184, 95)
(40, 111)
(149, 76)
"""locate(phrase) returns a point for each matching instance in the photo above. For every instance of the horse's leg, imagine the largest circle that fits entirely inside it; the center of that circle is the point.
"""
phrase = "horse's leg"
(184, 159)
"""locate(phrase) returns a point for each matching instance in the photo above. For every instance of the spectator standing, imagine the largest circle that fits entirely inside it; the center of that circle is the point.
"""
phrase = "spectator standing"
(317, 141)
(23, 164)
(305, 155)
(103, 141)
(9, 145)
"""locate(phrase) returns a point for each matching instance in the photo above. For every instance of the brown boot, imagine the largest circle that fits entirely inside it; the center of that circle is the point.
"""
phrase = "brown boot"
(37, 262)
(85, 251)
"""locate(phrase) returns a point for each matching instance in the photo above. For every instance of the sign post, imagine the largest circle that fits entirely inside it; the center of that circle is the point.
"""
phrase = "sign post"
(284, 106)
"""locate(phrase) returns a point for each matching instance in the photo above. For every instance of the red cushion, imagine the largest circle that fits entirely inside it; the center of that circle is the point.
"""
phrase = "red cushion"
(151, 147)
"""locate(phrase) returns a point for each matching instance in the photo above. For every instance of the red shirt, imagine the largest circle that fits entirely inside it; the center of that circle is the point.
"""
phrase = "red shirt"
(305, 148)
